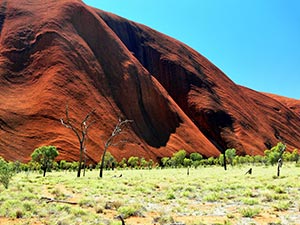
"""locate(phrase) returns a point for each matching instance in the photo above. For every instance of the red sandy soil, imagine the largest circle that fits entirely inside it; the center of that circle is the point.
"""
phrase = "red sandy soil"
(54, 53)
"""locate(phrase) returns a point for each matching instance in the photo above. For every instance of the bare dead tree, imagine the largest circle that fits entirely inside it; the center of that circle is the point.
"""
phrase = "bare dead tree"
(110, 141)
(80, 132)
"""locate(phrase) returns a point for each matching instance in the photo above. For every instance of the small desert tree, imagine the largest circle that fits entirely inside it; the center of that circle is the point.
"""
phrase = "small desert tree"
(187, 162)
(230, 154)
(80, 132)
(133, 161)
(178, 158)
(45, 156)
(275, 153)
(195, 156)
(165, 161)
(196, 159)
(6, 172)
(111, 140)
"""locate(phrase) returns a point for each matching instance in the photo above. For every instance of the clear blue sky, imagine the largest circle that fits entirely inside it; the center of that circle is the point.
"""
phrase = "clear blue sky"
(256, 43)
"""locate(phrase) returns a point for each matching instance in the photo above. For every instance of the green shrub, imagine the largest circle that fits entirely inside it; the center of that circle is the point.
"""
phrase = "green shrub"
(178, 158)
(6, 172)
(195, 156)
(230, 154)
(275, 153)
(133, 161)
(187, 162)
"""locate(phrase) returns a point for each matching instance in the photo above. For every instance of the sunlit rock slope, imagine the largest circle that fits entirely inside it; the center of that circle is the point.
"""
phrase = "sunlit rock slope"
(58, 53)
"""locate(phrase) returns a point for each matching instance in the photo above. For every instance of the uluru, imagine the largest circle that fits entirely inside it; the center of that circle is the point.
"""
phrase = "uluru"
(55, 54)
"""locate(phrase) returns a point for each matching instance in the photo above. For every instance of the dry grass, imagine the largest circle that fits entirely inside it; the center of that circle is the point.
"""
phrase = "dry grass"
(207, 196)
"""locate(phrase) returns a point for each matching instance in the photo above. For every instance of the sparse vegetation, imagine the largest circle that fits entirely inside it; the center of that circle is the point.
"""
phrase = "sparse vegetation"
(155, 194)
(165, 196)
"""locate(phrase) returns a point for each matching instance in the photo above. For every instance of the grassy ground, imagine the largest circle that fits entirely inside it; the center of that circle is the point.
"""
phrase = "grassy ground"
(207, 196)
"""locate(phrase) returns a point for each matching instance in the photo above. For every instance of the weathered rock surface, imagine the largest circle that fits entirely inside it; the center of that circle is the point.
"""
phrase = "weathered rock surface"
(290, 103)
(63, 52)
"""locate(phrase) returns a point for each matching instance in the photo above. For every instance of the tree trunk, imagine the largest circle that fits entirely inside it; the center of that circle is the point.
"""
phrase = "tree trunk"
(80, 159)
(84, 162)
(79, 169)
(225, 166)
(279, 164)
(44, 170)
(84, 169)
(102, 162)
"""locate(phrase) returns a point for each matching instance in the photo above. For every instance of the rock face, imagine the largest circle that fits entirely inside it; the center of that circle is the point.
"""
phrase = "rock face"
(290, 103)
(59, 53)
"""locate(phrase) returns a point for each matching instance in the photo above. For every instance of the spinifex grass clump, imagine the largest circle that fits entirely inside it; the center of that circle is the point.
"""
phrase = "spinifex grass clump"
(250, 201)
(212, 197)
(131, 210)
(250, 212)
(282, 205)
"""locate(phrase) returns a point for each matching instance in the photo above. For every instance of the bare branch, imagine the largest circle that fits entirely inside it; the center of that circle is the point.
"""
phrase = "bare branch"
(94, 121)
(88, 115)
(62, 122)
(80, 132)
(110, 141)
(67, 114)
(119, 142)
(119, 126)
(48, 200)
